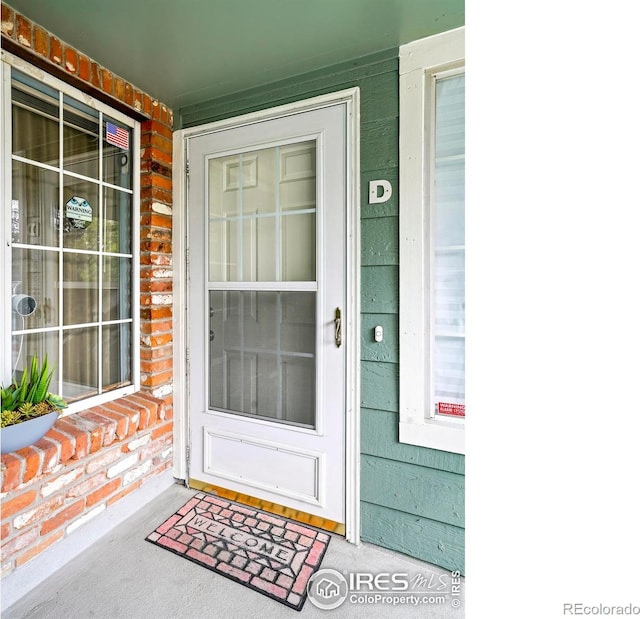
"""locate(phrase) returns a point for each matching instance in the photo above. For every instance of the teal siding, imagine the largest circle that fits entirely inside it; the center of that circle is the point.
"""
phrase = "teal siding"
(412, 498)
(379, 241)
(429, 540)
(379, 385)
(428, 493)
(379, 433)
(368, 73)
(388, 349)
(379, 289)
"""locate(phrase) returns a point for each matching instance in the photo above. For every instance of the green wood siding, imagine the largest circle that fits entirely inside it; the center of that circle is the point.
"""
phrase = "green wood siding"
(425, 492)
(379, 241)
(419, 537)
(364, 72)
(379, 289)
(379, 435)
(412, 498)
(379, 385)
(387, 350)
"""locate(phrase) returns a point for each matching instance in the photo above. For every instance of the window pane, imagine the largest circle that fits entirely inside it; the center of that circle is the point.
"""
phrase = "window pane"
(298, 234)
(258, 187)
(34, 205)
(449, 163)
(449, 197)
(116, 356)
(81, 210)
(34, 273)
(448, 240)
(81, 141)
(298, 176)
(262, 215)
(116, 288)
(449, 371)
(80, 295)
(88, 280)
(80, 363)
(242, 250)
(448, 292)
(116, 154)
(117, 232)
(449, 116)
(35, 131)
(262, 354)
(25, 346)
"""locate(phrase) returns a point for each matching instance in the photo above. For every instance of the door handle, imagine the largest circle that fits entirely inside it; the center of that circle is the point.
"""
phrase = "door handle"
(338, 327)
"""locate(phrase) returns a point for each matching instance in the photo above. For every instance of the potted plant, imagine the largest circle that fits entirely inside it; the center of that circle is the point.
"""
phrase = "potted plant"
(28, 408)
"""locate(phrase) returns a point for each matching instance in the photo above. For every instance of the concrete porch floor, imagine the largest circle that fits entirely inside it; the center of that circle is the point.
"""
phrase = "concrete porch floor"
(123, 576)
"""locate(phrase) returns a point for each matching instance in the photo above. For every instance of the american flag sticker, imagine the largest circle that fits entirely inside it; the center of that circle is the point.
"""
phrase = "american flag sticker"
(117, 136)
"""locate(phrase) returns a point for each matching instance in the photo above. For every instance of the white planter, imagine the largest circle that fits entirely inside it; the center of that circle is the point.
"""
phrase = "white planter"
(28, 432)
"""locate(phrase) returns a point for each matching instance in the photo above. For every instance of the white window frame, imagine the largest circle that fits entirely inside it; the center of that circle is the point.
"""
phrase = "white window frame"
(7, 62)
(420, 62)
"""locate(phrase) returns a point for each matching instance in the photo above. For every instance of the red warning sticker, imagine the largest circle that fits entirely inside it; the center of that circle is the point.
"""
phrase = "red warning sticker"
(446, 408)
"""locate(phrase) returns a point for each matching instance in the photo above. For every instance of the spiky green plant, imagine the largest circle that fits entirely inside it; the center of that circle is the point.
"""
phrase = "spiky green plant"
(10, 417)
(30, 397)
(28, 409)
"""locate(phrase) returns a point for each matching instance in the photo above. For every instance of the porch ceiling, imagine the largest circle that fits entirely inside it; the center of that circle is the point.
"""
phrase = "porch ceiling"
(187, 51)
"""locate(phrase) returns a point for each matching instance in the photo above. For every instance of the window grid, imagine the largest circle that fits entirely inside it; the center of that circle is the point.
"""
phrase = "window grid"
(100, 253)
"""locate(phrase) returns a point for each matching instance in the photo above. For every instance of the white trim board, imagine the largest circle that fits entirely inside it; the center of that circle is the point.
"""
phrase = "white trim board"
(419, 61)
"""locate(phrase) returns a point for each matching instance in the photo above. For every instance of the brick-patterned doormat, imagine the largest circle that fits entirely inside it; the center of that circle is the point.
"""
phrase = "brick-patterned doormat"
(270, 554)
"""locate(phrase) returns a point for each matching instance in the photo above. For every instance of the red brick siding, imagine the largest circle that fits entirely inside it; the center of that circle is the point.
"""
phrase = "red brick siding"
(90, 460)
(8, 21)
(35, 43)
(42, 495)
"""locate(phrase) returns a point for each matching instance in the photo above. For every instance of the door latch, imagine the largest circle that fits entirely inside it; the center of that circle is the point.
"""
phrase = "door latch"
(338, 327)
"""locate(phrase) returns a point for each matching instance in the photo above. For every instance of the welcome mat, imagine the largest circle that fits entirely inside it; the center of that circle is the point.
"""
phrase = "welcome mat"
(270, 554)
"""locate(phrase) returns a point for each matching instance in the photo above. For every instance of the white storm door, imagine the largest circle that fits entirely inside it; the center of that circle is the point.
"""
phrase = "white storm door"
(267, 251)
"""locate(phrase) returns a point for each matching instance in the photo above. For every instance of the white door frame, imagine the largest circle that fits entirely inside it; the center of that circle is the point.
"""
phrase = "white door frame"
(351, 98)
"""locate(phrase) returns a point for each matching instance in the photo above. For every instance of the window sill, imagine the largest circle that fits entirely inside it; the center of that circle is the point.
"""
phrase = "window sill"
(76, 437)
(434, 434)
(96, 401)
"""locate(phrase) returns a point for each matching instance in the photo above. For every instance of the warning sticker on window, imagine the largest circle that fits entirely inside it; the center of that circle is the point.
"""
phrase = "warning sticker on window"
(446, 408)
(79, 212)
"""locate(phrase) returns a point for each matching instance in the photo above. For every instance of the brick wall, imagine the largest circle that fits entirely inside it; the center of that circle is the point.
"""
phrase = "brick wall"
(89, 460)
(84, 464)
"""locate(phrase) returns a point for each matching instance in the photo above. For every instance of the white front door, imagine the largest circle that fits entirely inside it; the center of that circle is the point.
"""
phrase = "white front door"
(266, 303)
